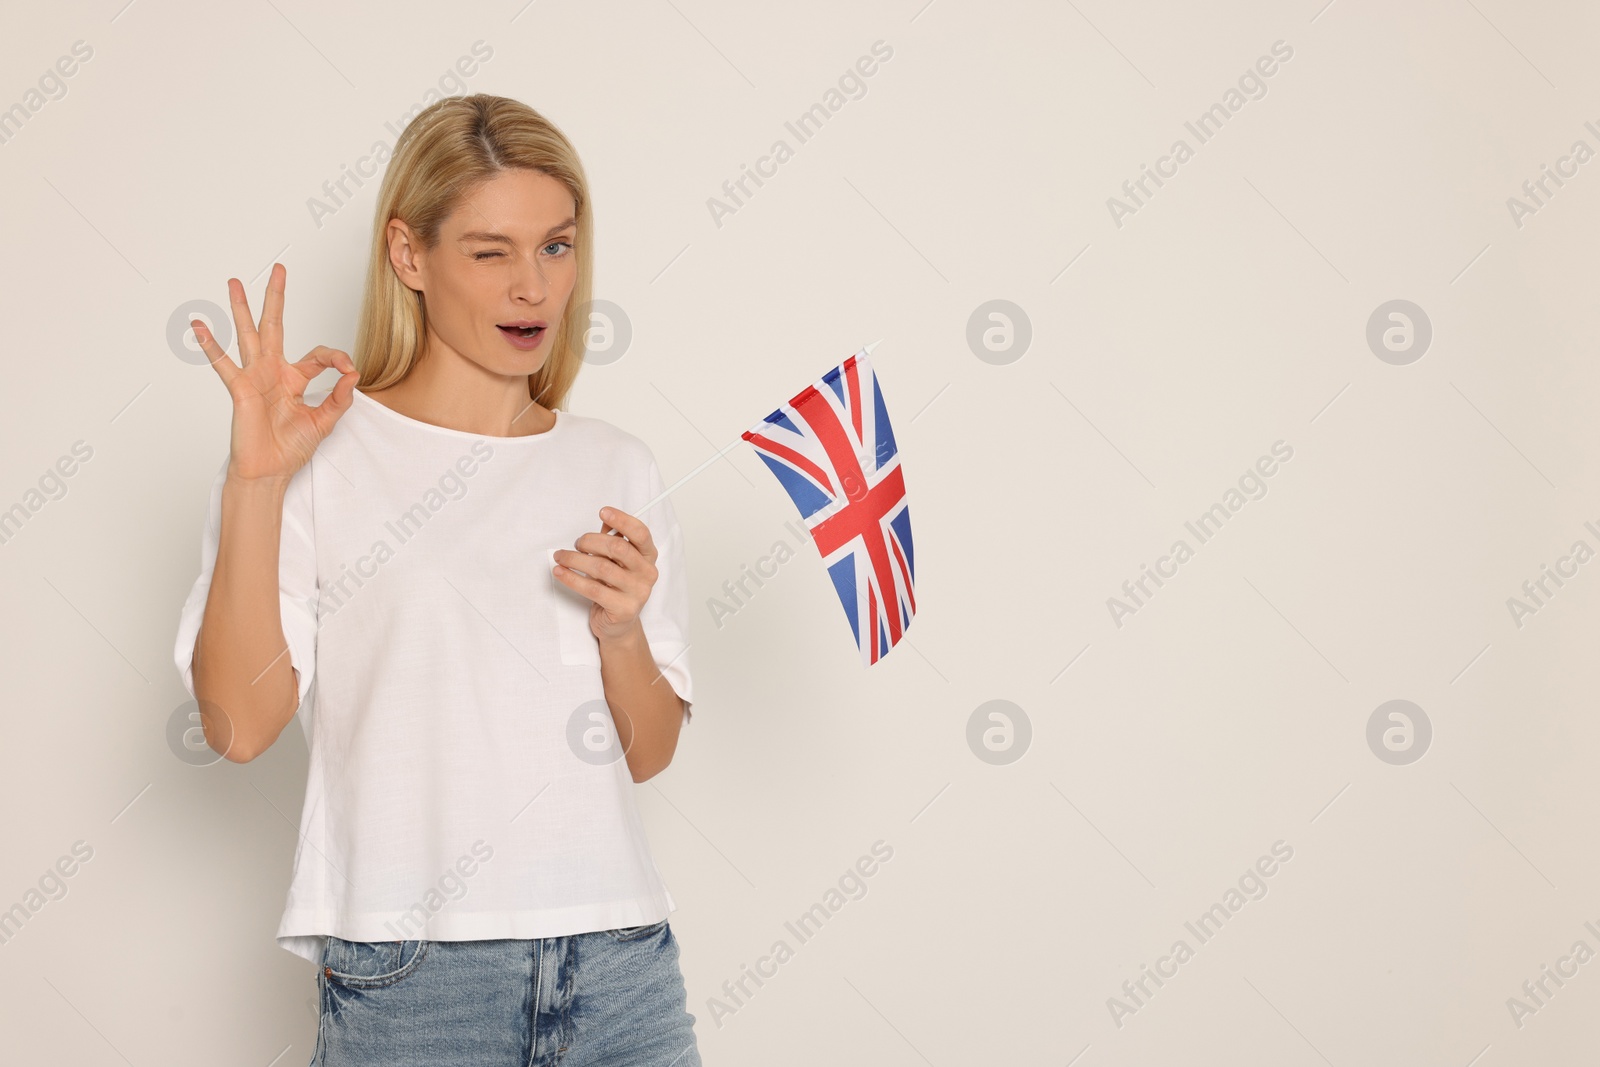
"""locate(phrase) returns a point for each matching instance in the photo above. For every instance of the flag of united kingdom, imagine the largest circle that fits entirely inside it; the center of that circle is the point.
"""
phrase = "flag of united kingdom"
(833, 451)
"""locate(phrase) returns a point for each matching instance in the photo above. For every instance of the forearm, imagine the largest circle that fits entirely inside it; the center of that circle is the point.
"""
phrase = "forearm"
(241, 661)
(647, 713)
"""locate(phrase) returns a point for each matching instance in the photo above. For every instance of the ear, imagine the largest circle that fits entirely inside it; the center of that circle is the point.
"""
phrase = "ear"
(405, 254)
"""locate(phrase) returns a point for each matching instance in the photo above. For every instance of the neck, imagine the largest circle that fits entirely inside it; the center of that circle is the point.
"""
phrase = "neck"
(460, 395)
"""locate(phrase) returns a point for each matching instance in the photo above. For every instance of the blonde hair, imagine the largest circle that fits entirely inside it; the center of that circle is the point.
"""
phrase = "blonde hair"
(451, 147)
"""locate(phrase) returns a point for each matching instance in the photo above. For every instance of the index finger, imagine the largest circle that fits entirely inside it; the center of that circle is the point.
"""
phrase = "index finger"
(630, 526)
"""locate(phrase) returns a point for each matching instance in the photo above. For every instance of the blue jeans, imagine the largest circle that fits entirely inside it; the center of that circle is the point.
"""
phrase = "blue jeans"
(611, 997)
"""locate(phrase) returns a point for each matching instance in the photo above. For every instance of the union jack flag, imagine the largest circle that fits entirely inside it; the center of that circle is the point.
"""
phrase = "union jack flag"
(833, 451)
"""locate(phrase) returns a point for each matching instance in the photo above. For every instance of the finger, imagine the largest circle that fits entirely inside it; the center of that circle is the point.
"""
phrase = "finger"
(336, 403)
(614, 600)
(272, 312)
(220, 361)
(249, 342)
(595, 566)
(613, 547)
(629, 526)
(320, 359)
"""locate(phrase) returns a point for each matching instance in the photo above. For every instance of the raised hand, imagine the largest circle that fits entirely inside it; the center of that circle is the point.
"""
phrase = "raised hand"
(274, 430)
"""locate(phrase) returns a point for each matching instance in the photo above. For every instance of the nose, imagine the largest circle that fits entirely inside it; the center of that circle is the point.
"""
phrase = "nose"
(528, 283)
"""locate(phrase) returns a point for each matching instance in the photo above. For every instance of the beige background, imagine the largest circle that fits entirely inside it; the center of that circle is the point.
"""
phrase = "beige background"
(1166, 356)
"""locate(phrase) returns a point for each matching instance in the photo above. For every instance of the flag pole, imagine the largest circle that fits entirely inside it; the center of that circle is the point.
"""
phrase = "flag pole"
(718, 455)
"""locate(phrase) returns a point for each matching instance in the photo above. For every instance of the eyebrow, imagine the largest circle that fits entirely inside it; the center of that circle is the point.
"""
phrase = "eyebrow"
(492, 236)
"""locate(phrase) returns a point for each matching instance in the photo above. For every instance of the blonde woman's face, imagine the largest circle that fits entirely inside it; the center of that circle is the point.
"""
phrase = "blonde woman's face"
(497, 283)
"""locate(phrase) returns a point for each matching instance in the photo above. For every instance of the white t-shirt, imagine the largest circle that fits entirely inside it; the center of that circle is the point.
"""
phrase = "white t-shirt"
(465, 779)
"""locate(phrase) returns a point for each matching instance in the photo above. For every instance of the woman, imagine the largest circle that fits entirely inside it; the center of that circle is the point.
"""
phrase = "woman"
(472, 878)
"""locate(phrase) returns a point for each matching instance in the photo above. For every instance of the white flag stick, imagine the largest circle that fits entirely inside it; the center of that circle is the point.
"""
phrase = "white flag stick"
(718, 455)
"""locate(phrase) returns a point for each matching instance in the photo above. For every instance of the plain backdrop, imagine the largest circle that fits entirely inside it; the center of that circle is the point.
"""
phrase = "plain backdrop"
(1048, 849)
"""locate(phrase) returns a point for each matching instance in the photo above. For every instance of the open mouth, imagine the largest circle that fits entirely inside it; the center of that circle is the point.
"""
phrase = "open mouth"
(523, 331)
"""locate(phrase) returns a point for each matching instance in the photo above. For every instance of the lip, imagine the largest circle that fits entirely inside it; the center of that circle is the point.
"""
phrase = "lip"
(517, 341)
(525, 323)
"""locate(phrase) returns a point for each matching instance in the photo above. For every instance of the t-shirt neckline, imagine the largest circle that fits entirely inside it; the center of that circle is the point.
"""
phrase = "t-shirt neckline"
(464, 435)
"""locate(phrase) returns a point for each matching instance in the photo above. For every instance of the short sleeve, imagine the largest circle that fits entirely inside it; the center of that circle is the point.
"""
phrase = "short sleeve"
(297, 581)
(665, 616)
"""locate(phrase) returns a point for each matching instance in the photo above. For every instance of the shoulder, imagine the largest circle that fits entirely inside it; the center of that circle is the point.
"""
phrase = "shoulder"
(593, 432)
